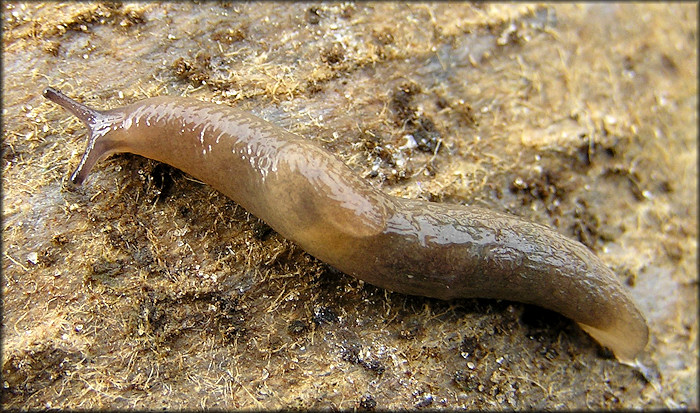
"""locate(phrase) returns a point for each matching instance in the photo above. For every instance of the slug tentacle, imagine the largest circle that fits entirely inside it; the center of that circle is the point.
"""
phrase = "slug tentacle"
(97, 123)
(82, 112)
(409, 246)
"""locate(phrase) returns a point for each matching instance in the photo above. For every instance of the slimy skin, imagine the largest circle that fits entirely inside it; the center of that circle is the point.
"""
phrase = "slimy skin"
(409, 246)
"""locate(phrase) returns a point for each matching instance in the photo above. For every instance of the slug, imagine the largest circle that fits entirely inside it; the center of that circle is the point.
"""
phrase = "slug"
(408, 246)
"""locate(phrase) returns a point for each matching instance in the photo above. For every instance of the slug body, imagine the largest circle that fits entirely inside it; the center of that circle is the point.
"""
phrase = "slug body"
(409, 246)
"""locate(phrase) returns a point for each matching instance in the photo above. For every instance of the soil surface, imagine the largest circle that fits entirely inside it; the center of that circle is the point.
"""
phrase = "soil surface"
(144, 288)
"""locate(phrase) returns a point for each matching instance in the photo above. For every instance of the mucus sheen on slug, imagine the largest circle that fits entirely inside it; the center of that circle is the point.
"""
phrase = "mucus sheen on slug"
(409, 246)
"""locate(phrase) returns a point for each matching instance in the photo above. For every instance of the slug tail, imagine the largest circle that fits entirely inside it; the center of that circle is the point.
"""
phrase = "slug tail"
(626, 341)
(94, 120)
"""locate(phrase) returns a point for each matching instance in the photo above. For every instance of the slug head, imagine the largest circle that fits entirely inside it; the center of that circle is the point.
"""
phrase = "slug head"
(99, 125)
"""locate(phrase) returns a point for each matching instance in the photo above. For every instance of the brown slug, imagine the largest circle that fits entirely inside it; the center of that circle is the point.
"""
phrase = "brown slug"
(408, 246)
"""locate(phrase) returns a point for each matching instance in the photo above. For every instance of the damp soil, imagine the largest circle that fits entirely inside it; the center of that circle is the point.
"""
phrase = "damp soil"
(144, 288)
